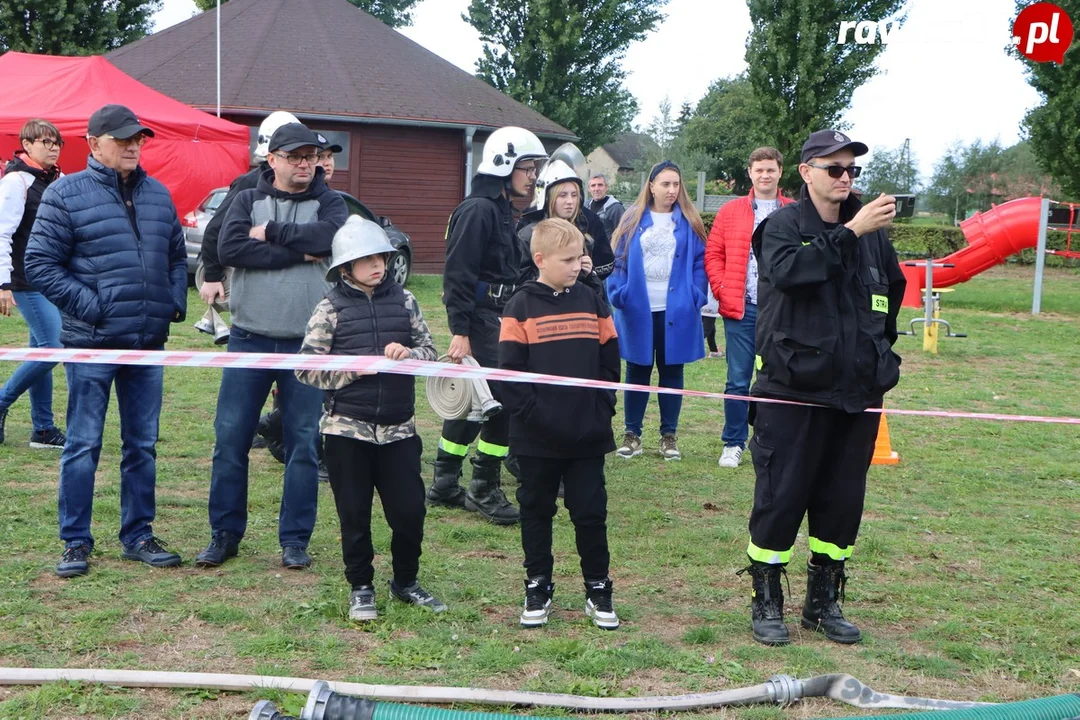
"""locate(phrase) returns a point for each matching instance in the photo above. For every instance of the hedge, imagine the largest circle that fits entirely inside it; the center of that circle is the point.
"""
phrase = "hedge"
(942, 240)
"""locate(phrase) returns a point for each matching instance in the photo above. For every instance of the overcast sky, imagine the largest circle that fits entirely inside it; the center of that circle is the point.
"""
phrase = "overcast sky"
(946, 74)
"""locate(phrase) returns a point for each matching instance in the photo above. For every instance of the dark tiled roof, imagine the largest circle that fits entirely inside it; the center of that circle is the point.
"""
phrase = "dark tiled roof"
(629, 149)
(317, 57)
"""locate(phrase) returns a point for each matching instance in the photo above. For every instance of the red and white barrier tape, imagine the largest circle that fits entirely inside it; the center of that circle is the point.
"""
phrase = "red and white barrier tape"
(373, 364)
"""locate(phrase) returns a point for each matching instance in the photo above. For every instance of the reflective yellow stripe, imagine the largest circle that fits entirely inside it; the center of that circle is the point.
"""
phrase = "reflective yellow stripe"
(879, 303)
(773, 557)
(833, 551)
(757, 362)
(492, 449)
(805, 244)
(453, 448)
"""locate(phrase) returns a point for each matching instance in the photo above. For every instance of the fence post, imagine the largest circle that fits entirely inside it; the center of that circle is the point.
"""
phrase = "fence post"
(701, 192)
(1040, 255)
(643, 177)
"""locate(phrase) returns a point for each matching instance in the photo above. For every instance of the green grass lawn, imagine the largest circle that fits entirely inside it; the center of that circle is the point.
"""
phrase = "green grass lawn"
(964, 579)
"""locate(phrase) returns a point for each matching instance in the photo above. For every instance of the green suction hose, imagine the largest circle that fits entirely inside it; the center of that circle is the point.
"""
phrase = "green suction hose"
(1060, 707)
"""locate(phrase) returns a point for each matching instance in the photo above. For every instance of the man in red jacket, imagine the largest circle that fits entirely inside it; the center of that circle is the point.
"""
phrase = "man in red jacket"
(733, 276)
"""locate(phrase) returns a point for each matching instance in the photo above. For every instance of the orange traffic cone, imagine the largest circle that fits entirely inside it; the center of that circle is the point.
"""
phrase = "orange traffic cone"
(883, 452)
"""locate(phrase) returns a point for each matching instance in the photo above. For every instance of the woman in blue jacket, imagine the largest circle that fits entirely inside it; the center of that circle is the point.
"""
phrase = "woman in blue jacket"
(657, 290)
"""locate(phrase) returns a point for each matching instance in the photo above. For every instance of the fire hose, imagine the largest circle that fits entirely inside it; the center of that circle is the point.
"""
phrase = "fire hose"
(460, 399)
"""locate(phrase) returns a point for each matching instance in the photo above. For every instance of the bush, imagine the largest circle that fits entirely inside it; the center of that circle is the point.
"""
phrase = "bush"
(707, 218)
(918, 240)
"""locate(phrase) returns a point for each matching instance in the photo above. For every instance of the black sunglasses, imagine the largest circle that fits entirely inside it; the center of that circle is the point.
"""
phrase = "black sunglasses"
(837, 171)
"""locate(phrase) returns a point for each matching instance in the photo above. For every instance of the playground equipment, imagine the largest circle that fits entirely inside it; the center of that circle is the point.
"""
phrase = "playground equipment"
(932, 308)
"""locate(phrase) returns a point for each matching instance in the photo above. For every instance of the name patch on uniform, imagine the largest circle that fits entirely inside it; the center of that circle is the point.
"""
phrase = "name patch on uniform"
(879, 303)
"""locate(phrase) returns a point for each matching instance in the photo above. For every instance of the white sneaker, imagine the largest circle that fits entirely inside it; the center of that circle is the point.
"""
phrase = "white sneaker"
(598, 606)
(362, 604)
(538, 592)
(731, 456)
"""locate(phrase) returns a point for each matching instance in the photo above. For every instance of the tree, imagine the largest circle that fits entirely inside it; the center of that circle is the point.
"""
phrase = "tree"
(395, 13)
(890, 171)
(562, 58)
(73, 27)
(663, 128)
(1054, 126)
(727, 126)
(685, 113)
(802, 76)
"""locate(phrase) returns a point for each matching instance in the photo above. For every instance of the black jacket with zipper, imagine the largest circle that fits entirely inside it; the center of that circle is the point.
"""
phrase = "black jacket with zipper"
(827, 307)
(568, 333)
(481, 251)
(365, 326)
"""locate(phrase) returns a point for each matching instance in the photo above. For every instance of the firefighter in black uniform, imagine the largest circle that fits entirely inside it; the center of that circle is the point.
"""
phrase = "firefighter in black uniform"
(482, 261)
(829, 292)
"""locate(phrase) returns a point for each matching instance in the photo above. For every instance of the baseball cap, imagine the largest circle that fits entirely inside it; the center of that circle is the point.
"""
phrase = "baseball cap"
(116, 120)
(326, 144)
(290, 136)
(826, 142)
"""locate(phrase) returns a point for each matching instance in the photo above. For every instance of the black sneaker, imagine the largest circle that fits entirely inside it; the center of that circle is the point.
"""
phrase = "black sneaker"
(416, 595)
(362, 604)
(3, 419)
(152, 552)
(75, 561)
(52, 439)
(223, 545)
(295, 558)
(538, 592)
(598, 604)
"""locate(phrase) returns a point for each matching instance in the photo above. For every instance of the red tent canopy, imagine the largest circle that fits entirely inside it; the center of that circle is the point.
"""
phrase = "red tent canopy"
(192, 152)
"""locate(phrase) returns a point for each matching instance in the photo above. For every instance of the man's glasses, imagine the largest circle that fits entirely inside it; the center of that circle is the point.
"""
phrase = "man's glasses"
(49, 143)
(837, 171)
(293, 159)
(137, 140)
(528, 170)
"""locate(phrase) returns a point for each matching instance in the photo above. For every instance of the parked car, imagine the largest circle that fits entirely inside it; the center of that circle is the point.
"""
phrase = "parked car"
(195, 222)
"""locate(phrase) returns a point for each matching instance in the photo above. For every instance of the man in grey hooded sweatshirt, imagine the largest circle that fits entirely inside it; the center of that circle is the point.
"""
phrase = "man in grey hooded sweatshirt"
(277, 238)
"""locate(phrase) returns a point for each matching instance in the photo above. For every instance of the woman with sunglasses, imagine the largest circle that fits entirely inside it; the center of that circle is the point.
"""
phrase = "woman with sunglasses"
(33, 169)
(657, 289)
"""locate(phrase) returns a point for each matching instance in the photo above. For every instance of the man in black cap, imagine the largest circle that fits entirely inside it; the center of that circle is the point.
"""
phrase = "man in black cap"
(277, 238)
(107, 249)
(829, 290)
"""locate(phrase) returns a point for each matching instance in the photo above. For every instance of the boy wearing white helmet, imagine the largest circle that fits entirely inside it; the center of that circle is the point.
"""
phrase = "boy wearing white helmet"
(369, 420)
(483, 258)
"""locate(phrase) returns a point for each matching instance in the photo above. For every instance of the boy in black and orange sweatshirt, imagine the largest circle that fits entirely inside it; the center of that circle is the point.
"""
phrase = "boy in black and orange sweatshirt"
(556, 326)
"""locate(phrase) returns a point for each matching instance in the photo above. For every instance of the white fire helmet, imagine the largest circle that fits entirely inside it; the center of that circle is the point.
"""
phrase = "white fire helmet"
(554, 173)
(357, 238)
(507, 146)
(272, 122)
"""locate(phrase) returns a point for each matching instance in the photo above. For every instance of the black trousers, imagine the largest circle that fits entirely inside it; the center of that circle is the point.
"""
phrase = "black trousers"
(809, 461)
(585, 498)
(494, 434)
(356, 469)
(708, 323)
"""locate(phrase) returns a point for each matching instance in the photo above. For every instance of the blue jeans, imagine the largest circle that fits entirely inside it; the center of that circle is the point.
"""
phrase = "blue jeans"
(240, 401)
(671, 376)
(43, 320)
(138, 397)
(739, 345)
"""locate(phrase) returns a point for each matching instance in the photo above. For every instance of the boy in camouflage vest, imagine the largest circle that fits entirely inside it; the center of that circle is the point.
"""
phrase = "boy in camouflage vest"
(368, 419)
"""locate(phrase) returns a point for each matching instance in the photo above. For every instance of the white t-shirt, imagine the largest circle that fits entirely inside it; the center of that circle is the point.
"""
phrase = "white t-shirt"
(658, 255)
(763, 210)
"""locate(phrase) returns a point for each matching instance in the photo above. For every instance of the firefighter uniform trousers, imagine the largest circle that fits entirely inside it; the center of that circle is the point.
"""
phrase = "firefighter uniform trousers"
(494, 433)
(808, 461)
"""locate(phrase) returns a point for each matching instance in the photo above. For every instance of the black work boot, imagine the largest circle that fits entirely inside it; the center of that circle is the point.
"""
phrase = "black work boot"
(767, 603)
(445, 489)
(485, 495)
(824, 593)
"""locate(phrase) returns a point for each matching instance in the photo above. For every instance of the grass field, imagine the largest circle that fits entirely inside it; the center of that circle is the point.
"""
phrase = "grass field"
(964, 579)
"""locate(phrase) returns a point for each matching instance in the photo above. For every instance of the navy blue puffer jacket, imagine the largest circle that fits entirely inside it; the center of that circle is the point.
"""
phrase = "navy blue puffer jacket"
(118, 283)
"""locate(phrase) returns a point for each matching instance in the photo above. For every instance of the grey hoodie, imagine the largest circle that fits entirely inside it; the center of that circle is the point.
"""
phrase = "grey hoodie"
(274, 289)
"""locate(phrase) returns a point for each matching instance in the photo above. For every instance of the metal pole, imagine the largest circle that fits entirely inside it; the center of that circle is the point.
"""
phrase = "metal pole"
(701, 192)
(219, 58)
(1040, 255)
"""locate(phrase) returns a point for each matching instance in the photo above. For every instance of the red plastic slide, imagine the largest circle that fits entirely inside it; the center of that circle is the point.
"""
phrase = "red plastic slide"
(992, 236)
